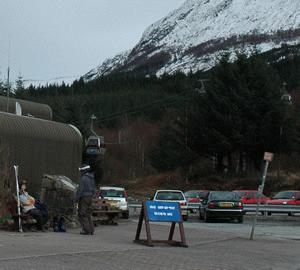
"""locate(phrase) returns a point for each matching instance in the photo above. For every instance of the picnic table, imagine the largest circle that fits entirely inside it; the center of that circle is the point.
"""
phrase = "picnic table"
(104, 212)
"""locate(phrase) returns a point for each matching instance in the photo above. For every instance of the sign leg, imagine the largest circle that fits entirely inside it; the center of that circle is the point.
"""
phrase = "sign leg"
(140, 224)
(148, 233)
(182, 235)
(147, 225)
(172, 231)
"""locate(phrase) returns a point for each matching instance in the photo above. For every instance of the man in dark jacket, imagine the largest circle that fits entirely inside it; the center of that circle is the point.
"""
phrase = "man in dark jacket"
(84, 197)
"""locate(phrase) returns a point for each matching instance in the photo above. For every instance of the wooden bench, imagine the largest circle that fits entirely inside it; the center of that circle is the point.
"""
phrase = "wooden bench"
(104, 213)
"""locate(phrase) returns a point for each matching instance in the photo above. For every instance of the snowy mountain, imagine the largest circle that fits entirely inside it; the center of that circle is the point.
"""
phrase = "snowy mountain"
(67, 80)
(193, 36)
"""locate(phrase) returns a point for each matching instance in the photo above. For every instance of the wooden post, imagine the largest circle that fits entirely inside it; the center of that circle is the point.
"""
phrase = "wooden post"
(172, 231)
(182, 235)
(140, 224)
(147, 225)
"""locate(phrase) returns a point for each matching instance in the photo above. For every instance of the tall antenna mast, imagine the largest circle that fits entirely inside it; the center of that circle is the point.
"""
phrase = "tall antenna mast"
(8, 90)
(8, 82)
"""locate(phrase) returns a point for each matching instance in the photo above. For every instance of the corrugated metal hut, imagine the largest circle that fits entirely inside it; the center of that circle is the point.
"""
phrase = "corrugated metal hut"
(34, 109)
(40, 147)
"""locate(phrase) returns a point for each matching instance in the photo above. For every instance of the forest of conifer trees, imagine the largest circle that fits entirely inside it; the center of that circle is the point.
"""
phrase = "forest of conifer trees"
(228, 116)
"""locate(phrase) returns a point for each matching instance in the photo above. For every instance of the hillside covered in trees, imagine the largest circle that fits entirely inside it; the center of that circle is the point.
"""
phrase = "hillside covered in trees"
(198, 127)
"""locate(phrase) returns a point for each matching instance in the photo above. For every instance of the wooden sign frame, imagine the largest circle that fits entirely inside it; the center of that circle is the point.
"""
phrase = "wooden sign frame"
(149, 241)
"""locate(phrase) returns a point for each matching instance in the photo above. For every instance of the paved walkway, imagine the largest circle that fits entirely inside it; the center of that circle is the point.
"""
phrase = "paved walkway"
(112, 248)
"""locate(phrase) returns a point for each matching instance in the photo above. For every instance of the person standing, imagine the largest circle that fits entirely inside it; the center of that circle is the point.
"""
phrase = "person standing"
(84, 198)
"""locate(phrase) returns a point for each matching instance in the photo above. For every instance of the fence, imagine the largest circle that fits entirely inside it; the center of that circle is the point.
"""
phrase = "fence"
(265, 208)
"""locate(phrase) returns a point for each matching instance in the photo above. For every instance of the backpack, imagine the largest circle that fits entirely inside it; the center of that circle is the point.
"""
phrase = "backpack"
(58, 224)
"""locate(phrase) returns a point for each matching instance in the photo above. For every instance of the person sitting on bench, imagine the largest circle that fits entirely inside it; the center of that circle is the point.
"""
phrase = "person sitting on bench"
(27, 204)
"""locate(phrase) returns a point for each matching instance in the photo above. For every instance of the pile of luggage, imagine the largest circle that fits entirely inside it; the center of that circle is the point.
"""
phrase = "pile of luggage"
(58, 193)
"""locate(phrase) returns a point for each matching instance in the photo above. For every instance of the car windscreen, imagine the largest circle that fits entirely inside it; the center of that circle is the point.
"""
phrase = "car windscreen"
(284, 195)
(217, 196)
(195, 194)
(240, 194)
(169, 196)
(191, 194)
(113, 193)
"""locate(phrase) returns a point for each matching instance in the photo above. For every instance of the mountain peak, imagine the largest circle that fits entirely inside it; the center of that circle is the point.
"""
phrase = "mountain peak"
(192, 36)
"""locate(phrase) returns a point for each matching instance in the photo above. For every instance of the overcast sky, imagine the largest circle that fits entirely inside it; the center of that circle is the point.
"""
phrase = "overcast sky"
(54, 38)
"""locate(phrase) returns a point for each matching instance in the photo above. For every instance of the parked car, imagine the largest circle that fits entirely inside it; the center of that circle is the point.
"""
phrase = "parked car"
(289, 197)
(221, 204)
(194, 199)
(250, 197)
(173, 196)
(118, 196)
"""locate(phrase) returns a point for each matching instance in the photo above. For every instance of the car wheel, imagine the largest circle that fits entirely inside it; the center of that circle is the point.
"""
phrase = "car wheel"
(269, 213)
(125, 215)
(206, 217)
(200, 216)
(240, 219)
(185, 218)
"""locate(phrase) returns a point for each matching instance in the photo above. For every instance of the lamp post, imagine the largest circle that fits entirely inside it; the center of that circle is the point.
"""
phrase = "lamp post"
(287, 101)
(7, 90)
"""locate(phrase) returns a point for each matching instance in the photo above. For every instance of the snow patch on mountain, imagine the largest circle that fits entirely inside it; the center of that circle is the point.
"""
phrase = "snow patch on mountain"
(190, 63)
(192, 37)
(108, 65)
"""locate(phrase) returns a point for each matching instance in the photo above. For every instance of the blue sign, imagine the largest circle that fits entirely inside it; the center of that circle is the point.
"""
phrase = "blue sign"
(163, 211)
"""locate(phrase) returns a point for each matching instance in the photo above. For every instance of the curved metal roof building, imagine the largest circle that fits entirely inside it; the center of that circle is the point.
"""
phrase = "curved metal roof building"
(34, 109)
(40, 147)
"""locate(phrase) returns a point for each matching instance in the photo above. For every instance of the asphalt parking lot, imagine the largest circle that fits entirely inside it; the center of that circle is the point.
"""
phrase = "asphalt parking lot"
(218, 245)
(279, 225)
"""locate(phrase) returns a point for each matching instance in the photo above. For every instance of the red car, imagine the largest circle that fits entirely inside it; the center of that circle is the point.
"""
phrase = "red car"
(194, 199)
(289, 197)
(286, 197)
(250, 197)
(195, 196)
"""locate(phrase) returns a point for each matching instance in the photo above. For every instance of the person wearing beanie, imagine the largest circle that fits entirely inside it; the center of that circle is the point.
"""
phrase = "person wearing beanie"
(84, 198)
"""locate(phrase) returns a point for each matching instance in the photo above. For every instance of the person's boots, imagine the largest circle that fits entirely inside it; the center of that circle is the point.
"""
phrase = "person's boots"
(55, 224)
(61, 225)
